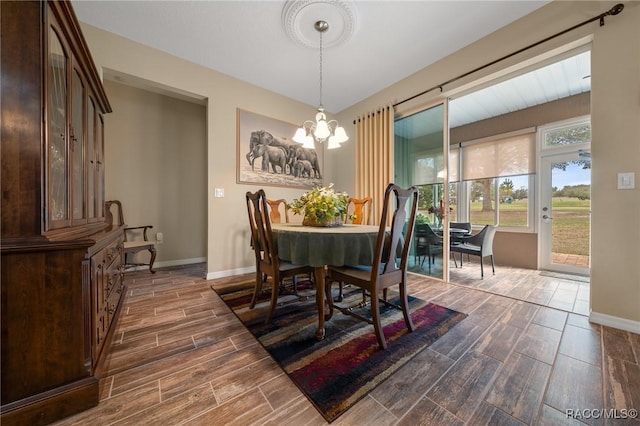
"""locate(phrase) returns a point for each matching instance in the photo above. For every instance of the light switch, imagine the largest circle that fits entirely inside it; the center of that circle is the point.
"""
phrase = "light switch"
(627, 180)
(219, 192)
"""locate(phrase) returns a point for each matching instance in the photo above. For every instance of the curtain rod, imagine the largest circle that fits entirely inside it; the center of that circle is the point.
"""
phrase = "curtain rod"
(611, 12)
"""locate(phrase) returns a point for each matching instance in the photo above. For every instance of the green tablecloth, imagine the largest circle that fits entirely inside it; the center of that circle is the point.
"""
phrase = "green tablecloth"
(317, 246)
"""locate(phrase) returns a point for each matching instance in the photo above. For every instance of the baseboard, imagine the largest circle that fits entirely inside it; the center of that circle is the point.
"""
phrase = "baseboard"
(230, 272)
(168, 263)
(615, 322)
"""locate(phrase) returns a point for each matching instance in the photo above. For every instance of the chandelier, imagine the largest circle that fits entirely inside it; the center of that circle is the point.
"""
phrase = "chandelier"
(321, 130)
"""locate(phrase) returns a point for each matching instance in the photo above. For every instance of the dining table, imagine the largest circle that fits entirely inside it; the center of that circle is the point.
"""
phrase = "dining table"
(318, 247)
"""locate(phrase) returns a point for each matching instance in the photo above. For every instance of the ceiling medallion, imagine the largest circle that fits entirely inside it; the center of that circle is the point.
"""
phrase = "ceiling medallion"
(299, 16)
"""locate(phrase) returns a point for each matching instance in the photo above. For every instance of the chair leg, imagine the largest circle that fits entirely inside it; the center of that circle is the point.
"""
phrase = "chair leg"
(256, 290)
(377, 325)
(404, 303)
(152, 250)
(493, 267)
(327, 292)
(481, 268)
(274, 298)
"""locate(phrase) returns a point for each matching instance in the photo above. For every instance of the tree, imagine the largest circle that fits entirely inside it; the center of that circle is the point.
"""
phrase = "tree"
(487, 185)
(520, 194)
(506, 189)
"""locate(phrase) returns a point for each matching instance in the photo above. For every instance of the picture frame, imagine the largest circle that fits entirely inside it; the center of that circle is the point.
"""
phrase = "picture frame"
(267, 155)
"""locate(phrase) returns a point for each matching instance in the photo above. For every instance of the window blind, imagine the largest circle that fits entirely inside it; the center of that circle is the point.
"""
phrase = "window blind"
(509, 156)
(428, 168)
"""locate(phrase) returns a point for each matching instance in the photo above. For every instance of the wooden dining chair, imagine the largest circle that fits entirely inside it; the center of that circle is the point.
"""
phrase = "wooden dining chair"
(275, 211)
(359, 210)
(386, 271)
(358, 213)
(135, 238)
(266, 252)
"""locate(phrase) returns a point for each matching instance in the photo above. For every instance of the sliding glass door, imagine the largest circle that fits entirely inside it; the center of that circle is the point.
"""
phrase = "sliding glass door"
(420, 159)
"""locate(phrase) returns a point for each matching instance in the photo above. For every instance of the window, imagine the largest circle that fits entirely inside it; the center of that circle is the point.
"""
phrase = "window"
(499, 201)
(569, 134)
(496, 178)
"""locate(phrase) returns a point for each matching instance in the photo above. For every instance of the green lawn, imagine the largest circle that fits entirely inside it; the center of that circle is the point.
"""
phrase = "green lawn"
(570, 222)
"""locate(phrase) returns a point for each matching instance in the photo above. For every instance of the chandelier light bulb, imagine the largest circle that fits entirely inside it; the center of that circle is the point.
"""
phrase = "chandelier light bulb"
(322, 130)
(300, 135)
(308, 142)
(341, 135)
(333, 142)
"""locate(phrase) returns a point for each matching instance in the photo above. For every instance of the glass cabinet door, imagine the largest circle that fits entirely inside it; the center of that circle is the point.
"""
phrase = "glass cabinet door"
(91, 160)
(100, 166)
(77, 149)
(57, 159)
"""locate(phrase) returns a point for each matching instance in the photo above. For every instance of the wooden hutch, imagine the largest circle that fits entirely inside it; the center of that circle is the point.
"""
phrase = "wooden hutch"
(61, 271)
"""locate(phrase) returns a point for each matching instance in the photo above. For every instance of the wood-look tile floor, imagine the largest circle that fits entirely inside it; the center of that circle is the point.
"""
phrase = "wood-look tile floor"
(570, 294)
(180, 356)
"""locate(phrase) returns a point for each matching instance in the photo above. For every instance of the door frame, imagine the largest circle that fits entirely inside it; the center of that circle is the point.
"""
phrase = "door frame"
(546, 157)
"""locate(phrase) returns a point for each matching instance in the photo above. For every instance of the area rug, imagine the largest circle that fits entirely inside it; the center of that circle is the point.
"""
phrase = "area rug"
(348, 364)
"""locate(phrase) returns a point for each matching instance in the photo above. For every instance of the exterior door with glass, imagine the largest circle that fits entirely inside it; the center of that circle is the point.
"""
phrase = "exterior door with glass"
(565, 212)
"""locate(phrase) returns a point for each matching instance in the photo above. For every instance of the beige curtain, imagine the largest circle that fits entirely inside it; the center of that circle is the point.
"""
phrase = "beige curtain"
(374, 157)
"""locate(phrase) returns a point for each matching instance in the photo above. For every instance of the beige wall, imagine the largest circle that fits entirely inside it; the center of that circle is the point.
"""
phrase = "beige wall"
(226, 229)
(615, 118)
(157, 167)
(615, 110)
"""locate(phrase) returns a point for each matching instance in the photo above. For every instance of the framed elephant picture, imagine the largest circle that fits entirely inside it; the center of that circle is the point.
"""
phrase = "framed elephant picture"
(267, 154)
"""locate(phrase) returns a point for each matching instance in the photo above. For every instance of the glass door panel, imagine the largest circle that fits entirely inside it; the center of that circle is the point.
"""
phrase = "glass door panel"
(565, 216)
(57, 160)
(420, 160)
(77, 148)
(91, 160)
(99, 167)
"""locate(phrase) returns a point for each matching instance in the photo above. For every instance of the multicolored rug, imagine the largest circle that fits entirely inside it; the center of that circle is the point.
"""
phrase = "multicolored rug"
(348, 364)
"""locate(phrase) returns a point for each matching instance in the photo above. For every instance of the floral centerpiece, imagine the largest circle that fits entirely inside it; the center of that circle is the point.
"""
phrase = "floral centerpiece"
(322, 206)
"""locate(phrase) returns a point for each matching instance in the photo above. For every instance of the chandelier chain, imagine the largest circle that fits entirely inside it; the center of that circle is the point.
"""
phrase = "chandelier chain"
(321, 68)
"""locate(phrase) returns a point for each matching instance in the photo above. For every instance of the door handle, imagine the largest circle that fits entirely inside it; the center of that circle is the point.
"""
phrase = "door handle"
(544, 216)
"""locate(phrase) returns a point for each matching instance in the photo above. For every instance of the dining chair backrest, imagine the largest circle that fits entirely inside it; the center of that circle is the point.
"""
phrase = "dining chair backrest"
(403, 214)
(426, 233)
(274, 210)
(483, 239)
(360, 209)
(261, 234)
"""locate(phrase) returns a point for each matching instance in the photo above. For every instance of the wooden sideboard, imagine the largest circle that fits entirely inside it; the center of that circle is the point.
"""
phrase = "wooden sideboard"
(62, 262)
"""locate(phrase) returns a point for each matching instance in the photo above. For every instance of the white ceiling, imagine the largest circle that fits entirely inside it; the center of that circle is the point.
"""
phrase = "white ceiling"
(246, 39)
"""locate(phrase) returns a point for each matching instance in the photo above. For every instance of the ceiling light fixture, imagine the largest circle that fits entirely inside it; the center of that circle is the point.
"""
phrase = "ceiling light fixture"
(321, 130)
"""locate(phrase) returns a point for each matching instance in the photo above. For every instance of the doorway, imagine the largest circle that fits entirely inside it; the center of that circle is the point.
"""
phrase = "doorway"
(565, 199)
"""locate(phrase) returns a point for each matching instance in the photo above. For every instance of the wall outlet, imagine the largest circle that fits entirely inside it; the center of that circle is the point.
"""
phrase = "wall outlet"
(159, 238)
(219, 192)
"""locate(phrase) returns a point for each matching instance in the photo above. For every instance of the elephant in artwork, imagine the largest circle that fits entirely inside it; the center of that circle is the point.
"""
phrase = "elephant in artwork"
(262, 137)
(271, 155)
(298, 153)
(302, 168)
